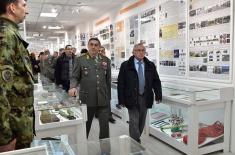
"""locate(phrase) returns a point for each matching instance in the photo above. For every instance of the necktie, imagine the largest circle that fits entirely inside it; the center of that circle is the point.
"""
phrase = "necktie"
(141, 78)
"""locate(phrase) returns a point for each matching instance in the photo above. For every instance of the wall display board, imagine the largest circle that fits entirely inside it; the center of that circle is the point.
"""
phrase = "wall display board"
(209, 39)
(119, 42)
(83, 40)
(148, 33)
(172, 38)
(131, 26)
(112, 57)
(104, 37)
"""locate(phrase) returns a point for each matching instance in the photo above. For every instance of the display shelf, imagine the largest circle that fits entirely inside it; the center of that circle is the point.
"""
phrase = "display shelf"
(56, 114)
(200, 107)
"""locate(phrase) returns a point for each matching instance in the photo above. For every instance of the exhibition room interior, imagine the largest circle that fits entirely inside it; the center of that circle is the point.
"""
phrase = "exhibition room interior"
(190, 42)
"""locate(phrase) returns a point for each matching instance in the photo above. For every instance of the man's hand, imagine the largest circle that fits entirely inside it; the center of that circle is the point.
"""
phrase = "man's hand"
(73, 92)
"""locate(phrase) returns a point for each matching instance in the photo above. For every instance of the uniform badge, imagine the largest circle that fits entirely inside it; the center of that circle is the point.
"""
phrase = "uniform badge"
(7, 75)
(104, 65)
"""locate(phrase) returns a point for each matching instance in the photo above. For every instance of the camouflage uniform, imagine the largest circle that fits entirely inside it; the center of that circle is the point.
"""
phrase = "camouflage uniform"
(47, 70)
(16, 87)
(94, 77)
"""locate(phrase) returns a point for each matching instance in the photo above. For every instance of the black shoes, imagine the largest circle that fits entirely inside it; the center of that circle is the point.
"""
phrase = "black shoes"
(112, 120)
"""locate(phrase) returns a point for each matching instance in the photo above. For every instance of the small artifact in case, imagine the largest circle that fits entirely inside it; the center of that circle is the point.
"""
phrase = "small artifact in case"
(47, 117)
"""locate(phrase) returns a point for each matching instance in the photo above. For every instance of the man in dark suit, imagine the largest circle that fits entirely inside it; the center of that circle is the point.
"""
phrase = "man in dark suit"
(137, 80)
(93, 72)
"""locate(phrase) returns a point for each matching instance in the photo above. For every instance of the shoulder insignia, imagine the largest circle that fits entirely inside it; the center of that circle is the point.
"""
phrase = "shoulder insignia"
(1, 38)
(7, 75)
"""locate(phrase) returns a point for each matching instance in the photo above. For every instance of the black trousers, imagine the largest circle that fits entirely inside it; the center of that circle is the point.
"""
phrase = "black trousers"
(103, 117)
(137, 116)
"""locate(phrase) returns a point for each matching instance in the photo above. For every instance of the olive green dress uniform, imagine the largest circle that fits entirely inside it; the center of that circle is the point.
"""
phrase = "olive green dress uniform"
(94, 77)
(16, 87)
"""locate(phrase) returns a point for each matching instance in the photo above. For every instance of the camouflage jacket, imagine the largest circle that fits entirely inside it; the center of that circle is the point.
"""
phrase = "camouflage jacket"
(16, 77)
(94, 77)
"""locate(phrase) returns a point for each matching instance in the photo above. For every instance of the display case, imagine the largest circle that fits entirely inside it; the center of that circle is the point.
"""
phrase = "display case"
(57, 114)
(117, 110)
(192, 118)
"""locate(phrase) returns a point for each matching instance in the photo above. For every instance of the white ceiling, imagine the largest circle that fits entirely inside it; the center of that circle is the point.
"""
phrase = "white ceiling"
(89, 10)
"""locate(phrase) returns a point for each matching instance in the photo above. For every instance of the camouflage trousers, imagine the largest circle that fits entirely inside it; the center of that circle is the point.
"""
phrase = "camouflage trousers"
(19, 125)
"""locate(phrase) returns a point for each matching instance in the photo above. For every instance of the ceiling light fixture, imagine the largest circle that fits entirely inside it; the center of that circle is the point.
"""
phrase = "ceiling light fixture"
(55, 27)
(29, 37)
(76, 10)
(48, 14)
(53, 10)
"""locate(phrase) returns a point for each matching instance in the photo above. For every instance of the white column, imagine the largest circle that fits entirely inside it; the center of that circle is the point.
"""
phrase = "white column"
(58, 43)
(66, 38)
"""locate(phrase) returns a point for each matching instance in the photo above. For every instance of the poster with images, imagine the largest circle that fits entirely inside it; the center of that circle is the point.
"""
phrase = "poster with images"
(148, 33)
(103, 34)
(131, 26)
(83, 39)
(209, 39)
(172, 38)
(119, 38)
(112, 56)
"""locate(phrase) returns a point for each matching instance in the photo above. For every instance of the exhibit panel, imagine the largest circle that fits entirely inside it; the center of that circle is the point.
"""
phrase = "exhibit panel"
(210, 52)
(148, 33)
(172, 38)
(132, 33)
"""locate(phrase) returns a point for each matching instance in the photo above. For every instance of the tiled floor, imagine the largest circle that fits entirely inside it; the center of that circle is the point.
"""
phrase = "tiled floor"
(153, 145)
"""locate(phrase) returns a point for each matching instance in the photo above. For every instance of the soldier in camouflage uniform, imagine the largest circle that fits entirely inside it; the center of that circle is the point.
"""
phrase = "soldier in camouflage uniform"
(16, 80)
(93, 72)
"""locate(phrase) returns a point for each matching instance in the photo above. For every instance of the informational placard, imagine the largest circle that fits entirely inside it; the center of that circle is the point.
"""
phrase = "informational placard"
(172, 38)
(131, 26)
(119, 38)
(209, 39)
(148, 33)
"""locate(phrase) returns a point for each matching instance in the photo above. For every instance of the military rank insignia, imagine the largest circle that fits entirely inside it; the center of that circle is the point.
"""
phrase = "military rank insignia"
(85, 71)
(7, 75)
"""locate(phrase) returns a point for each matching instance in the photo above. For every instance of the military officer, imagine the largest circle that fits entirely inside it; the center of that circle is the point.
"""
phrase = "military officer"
(16, 80)
(93, 72)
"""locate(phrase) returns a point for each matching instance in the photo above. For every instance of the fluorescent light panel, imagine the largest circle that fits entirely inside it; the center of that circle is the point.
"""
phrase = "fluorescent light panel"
(52, 14)
(54, 27)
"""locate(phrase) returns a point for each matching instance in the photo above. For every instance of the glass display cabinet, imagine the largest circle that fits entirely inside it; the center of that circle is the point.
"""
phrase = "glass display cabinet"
(57, 114)
(194, 119)
(117, 110)
(122, 145)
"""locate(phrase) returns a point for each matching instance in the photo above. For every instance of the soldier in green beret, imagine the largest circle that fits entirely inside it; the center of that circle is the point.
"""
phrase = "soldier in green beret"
(16, 80)
(93, 72)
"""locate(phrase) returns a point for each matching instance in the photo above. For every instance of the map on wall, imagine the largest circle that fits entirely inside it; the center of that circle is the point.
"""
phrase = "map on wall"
(131, 26)
(172, 38)
(148, 33)
(209, 39)
(119, 37)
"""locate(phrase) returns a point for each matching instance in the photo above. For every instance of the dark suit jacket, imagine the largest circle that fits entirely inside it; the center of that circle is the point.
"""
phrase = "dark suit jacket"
(128, 83)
